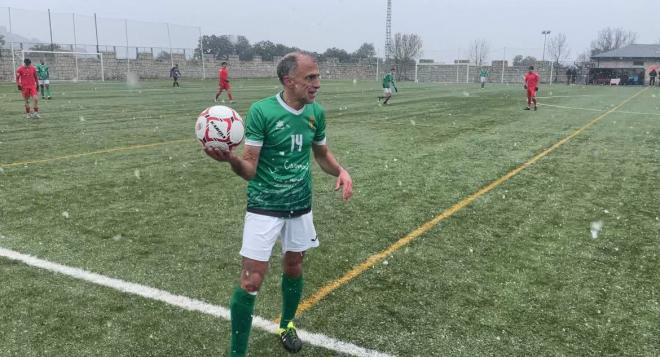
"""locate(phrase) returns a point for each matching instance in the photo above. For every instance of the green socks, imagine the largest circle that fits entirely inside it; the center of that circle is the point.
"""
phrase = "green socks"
(291, 294)
(241, 306)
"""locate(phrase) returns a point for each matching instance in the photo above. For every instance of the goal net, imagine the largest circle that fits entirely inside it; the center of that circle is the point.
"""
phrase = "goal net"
(69, 66)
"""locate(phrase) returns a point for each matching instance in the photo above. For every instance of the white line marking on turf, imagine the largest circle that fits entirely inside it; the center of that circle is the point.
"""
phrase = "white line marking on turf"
(596, 110)
(571, 96)
(184, 302)
(573, 108)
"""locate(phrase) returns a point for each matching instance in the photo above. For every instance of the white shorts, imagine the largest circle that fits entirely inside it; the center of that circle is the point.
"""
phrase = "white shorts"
(261, 232)
(44, 81)
(387, 91)
(483, 79)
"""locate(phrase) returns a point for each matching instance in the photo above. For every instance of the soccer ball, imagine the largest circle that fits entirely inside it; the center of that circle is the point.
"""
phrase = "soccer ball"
(220, 127)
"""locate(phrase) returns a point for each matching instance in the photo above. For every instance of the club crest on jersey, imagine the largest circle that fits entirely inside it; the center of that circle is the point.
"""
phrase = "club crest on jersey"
(312, 122)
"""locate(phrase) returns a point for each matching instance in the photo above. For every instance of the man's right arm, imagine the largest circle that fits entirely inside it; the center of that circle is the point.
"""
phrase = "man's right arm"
(245, 167)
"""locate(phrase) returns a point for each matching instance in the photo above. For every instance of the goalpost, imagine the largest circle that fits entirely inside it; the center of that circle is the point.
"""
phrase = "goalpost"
(69, 66)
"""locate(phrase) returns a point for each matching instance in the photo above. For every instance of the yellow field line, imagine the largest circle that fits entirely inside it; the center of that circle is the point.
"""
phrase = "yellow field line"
(123, 148)
(380, 256)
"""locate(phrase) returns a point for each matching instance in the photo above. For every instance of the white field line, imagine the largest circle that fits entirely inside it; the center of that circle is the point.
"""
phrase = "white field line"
(571, 96)
(596, 110)
(184, 302)
(573, 108)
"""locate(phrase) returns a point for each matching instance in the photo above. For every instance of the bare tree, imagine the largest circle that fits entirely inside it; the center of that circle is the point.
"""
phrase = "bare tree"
(479, 50)
(611, 39)
(407, 48)
(558, 50)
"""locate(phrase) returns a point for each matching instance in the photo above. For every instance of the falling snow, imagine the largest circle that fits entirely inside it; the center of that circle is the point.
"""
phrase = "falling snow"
(596, 227)
(65, 214)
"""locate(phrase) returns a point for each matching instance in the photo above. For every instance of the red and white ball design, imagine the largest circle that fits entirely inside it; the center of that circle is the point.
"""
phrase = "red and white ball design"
(220, 127)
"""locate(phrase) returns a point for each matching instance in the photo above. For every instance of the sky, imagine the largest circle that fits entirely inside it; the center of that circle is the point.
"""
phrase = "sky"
(447, 27)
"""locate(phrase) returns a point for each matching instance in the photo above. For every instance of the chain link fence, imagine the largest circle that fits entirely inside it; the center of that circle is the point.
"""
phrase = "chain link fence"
(81, 44)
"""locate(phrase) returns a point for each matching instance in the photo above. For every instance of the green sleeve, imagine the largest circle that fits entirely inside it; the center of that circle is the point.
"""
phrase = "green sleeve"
(319, 135)
(255, 125)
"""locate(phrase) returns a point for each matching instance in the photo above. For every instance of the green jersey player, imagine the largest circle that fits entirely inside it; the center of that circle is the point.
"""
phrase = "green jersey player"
(388, 84)
(483, 76)
(281, 133)
(44, 79)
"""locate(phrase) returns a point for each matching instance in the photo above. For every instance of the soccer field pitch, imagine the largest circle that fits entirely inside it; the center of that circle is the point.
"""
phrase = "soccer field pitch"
(476, 228)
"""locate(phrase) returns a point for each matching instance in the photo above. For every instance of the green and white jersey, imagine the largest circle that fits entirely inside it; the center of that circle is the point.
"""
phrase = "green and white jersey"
(388, 81)
(42, 71)
(283, 182)
(483, 73)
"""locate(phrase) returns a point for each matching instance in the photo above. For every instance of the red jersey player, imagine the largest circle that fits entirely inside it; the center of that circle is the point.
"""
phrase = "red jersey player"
(26, 80)
(223, 78)
(532, 80)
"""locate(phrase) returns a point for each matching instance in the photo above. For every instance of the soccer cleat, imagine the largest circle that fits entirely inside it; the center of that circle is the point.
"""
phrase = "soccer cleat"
(289, 338)
(215, 100)
(49, 97)
(527, 108)
(28, 116)
(36, 115)
(535, 108)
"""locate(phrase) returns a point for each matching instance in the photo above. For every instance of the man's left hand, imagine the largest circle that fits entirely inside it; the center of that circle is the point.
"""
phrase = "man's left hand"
(344, 180)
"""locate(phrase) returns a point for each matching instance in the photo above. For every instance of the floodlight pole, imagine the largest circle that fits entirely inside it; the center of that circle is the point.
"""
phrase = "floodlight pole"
(11, 45)
(169, 39)
(545, 34)
(96, 31)
(503, 65)
(75, 41)
(50, 28)
(128, 66)
(201, 52)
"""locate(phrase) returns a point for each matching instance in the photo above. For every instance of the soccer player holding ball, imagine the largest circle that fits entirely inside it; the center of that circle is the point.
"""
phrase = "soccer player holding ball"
(532, 80)
(282, 132)
(26, 80)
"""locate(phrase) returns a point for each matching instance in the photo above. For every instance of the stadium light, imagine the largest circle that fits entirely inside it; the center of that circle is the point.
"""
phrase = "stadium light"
(545, 34)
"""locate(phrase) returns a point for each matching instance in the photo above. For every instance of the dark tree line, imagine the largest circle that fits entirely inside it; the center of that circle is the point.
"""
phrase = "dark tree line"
(223, 46)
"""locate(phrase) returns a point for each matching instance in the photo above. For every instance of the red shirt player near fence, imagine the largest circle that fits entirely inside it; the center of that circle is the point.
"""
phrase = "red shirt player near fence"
(223, 77)
(26, 80)
(532, 80)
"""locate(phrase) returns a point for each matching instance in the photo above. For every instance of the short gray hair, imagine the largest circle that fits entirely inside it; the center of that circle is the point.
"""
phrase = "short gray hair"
(289, 63)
